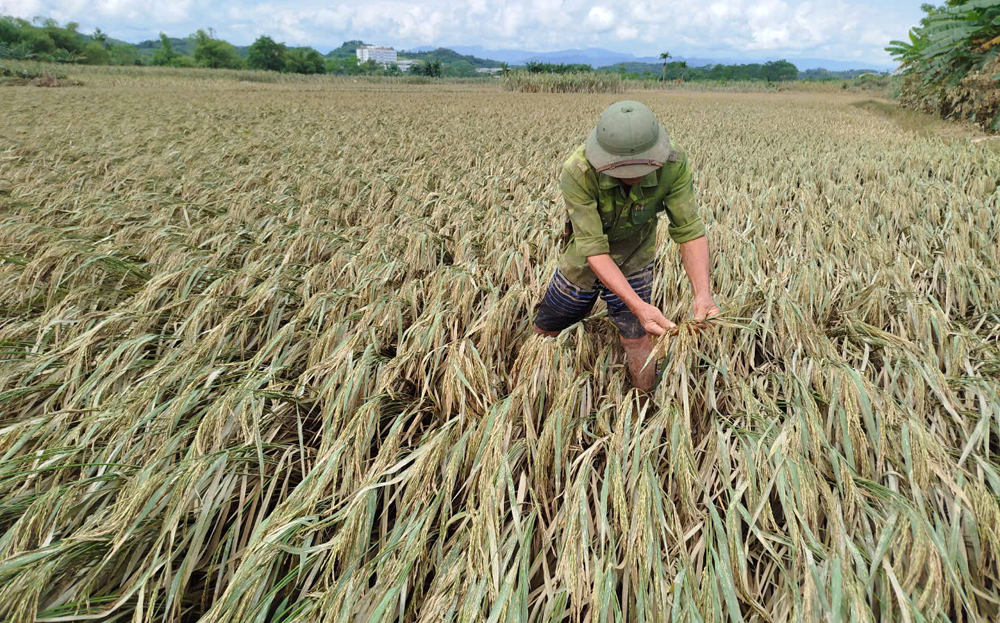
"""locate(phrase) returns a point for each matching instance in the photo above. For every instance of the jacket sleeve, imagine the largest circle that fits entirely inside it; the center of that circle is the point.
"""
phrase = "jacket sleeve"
(681, 207)
(588, 231)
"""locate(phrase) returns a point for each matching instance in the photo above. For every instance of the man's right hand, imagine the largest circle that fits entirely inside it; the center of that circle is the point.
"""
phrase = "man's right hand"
(652, 319)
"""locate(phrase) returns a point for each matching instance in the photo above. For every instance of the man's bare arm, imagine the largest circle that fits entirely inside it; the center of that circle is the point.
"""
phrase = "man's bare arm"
(651, 318)
(697, 265)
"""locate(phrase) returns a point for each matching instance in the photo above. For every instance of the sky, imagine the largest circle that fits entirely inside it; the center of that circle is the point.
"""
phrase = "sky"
(846, 30)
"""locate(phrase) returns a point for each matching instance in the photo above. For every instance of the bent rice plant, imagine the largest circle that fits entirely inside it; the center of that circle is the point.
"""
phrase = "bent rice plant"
(267, 356)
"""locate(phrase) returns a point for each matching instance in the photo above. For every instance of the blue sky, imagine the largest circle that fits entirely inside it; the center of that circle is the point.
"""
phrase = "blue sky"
(839, 29)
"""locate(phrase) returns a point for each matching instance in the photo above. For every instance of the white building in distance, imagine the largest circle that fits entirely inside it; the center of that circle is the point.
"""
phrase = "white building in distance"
(406, 65)
(375, 53)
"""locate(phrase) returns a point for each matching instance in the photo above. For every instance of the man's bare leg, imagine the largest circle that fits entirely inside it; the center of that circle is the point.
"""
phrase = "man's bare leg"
(548, 333)
(636, 353)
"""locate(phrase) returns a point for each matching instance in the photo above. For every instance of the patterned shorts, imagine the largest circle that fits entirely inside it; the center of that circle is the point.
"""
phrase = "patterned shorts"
(565, 304)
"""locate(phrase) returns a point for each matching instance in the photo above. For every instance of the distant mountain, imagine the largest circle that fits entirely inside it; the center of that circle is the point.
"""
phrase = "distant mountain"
(599, 57)
(346, 49)
(592, 56)
(181, 46)
(109, 41)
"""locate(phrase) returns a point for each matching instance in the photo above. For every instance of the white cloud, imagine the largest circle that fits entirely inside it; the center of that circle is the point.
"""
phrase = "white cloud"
(720, 11)
(626, 33)
(133, 10)
(21, 8)
(600, 18)
(337, 18)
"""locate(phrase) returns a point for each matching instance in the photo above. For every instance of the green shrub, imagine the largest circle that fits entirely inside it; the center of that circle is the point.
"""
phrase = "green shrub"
(215, 53)
(95, 54)
(180, 60)
(15, 52)
(124, 55)
(265, 53)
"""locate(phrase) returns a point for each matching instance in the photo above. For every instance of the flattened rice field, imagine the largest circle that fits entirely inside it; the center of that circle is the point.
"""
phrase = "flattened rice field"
(266, 355)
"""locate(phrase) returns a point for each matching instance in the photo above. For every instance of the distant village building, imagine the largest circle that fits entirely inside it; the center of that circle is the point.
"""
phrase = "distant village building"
(488, 70)
(376, 53)
(406, 65)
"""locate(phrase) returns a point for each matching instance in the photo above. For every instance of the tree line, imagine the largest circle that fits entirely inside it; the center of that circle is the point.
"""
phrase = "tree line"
(772, 71)
(46, 40)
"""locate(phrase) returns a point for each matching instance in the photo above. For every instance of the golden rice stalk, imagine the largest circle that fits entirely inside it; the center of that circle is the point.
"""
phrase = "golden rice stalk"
(266, 354)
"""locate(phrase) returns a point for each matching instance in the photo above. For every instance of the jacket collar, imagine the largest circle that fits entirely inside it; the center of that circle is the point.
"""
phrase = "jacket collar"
(606, 181)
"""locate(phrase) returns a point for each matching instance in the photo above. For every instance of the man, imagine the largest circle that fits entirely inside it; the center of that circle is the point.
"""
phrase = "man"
(614, 185)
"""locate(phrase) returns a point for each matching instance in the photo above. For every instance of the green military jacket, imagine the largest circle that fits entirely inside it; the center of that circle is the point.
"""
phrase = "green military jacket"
(606, 220)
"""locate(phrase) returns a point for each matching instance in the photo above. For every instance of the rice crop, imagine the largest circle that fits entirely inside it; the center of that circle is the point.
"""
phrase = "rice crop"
(163, 77)
(605, 82)
(266, 355)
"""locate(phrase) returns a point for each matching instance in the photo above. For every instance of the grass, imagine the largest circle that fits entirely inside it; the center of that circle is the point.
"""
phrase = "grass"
(267, 356)
(920, 123)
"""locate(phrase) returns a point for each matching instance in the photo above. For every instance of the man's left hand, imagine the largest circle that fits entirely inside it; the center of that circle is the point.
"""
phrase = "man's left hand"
(704, 307)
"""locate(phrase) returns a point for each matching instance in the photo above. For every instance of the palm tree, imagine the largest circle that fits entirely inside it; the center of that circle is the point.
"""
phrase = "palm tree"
(503, 69)
(101, 37)
(663, 57)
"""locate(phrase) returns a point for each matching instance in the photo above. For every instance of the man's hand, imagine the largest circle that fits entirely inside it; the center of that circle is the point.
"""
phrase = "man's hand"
(704, 307)
(652, 319)
(695, 255)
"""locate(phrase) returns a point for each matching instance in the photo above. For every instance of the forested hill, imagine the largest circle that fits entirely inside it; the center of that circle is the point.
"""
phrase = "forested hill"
(186, 47)
(346, 49)
(181, 46)
(449, 57)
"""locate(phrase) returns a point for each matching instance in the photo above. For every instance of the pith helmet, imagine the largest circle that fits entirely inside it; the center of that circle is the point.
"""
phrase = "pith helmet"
(628, 141)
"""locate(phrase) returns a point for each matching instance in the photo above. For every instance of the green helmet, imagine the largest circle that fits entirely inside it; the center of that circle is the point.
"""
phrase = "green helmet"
(628, 141)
